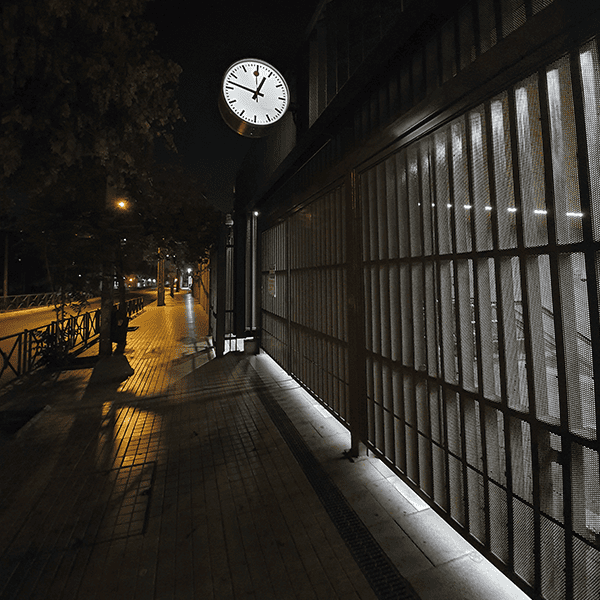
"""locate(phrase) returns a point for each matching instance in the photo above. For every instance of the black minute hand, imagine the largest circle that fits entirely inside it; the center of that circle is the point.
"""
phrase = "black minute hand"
(247, 88)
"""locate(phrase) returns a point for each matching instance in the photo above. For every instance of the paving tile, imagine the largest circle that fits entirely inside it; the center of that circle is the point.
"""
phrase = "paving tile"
(406, 555)
(230, 512)
(437, 540)
(471, 577)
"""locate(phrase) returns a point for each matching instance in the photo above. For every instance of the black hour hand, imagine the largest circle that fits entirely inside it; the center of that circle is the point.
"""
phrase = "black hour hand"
(257, 92)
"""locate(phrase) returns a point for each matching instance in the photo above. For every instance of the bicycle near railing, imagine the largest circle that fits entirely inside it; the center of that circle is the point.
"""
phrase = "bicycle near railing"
(52, 344)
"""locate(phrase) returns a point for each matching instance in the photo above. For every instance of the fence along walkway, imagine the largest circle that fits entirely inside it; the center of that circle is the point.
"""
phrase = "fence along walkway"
(19, 302)
(23, 352)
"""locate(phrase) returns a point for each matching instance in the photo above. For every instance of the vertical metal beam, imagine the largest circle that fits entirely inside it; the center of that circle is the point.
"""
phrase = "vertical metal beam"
(356, 317)
(221, 293)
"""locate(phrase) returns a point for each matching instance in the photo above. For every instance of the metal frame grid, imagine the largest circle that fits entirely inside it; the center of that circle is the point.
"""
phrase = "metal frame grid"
(304, 277)
(481, 262)
(480, 266)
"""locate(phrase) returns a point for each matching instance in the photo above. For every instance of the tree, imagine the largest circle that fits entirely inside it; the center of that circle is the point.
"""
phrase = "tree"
(78, 81)
(82, 99)
(176, 218)
(176, 212)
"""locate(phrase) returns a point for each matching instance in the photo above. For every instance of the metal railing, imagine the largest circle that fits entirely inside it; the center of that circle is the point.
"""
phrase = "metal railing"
(23, 301)
(30, 349)
(133, 305)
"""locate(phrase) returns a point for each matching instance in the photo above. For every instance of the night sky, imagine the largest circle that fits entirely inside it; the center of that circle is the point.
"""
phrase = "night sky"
(204, 42)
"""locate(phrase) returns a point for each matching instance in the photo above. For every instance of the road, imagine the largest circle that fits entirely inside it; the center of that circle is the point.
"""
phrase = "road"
(14, 322)
(30, 318)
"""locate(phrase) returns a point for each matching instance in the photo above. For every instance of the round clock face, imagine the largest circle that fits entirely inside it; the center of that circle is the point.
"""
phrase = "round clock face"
(255, 94)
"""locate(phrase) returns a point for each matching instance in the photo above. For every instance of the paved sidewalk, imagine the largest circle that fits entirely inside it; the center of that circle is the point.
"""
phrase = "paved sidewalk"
(172, 484)
(209, 479)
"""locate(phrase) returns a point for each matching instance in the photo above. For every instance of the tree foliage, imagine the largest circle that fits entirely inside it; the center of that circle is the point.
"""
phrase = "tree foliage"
(79, 82)
(176, 213)
(83, 98)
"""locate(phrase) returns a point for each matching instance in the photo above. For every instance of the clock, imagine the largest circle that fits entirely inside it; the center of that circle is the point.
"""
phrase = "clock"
(254, 97)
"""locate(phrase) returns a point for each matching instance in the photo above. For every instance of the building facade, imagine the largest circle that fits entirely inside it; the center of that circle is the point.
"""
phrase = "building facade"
(422, 252)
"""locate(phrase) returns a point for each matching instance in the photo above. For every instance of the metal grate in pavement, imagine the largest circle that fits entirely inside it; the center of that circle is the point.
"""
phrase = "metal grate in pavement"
(380, 572)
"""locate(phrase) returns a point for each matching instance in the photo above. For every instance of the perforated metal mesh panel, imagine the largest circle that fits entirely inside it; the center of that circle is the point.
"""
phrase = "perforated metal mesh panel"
(480, 267)
(489, 287)
(304, 273)
(275, 338)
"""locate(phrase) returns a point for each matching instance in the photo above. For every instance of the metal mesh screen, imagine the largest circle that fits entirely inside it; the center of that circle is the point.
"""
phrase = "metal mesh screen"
(274, 289)
(480, 264)
(514, 15)
(480, 269)
(304, 278)
(590, 82)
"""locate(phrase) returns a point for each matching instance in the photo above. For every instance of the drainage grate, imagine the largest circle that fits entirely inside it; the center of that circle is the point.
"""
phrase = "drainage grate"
(380, 572)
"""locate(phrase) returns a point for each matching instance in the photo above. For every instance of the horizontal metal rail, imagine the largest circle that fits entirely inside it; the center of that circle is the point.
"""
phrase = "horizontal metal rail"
(27, 350)
(20, 302)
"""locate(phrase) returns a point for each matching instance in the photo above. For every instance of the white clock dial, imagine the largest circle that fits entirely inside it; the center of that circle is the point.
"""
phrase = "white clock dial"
(255, 93)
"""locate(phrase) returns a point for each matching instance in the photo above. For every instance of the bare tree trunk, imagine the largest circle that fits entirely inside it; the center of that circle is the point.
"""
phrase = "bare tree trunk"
(106, 304)
(47, 265)
(121, 276)
(5, 285)
(160, 277)
(107, 294)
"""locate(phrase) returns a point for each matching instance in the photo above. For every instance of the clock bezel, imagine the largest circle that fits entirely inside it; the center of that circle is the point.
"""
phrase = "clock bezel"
(237, 123)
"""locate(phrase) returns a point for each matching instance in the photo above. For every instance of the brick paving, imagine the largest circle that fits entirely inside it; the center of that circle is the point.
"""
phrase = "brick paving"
(173, 483)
